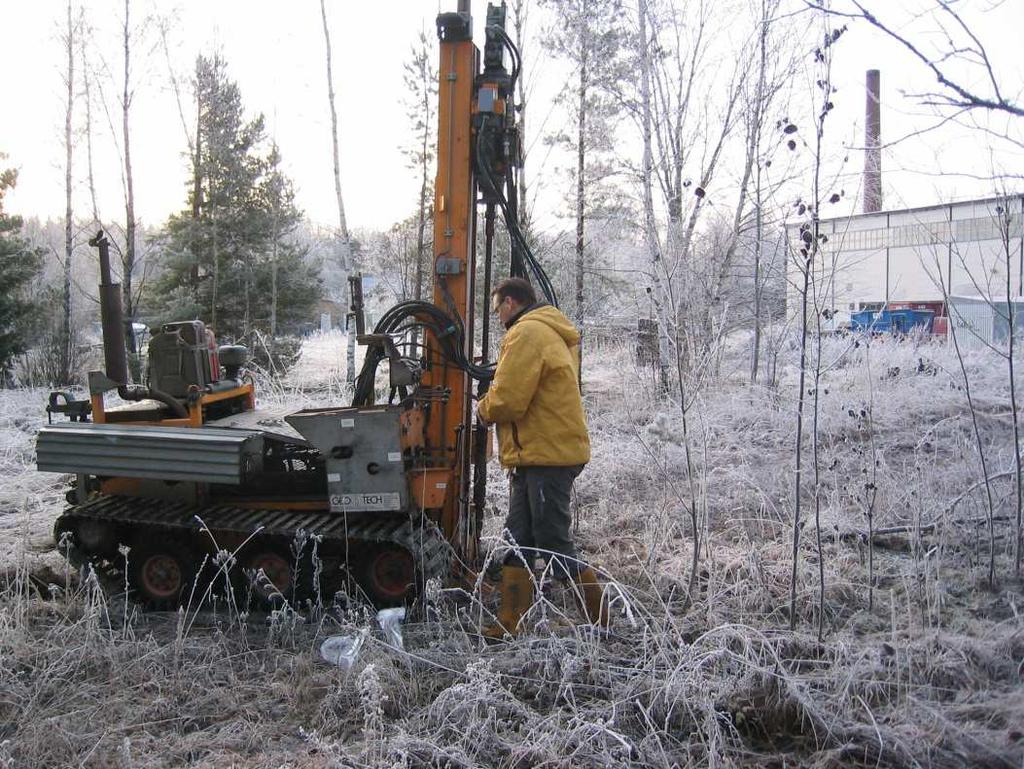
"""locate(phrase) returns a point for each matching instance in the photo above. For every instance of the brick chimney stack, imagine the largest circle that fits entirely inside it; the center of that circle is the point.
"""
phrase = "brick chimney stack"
(872, 143)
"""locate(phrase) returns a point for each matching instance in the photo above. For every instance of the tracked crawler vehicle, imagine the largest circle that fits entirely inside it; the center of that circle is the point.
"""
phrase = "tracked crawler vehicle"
(187, 469)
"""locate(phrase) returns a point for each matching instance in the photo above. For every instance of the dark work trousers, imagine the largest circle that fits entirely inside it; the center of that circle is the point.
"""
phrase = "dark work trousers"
(539, 518)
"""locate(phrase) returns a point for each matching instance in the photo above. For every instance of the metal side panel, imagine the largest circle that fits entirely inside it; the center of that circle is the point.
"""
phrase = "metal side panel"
(201, 455)
(362, 446)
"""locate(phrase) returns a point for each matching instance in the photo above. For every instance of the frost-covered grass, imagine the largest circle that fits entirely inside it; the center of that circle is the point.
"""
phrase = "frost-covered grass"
(929, 675)
(28, 500)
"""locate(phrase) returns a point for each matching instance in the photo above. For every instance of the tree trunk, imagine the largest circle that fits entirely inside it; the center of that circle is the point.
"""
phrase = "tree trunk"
(247, 312)
(758, 236)
(87, 93)
(66, 342)
(128, 259)
(273, 271)
(519, 13)
(424, 182)
(581, 160)
(197, 189)
(658, 274)
(758, 203)
(345, 255)
(421, 236)
(216, 272)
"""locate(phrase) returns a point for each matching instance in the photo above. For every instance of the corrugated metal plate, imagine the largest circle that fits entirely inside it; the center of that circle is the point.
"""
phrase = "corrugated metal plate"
(200, 455)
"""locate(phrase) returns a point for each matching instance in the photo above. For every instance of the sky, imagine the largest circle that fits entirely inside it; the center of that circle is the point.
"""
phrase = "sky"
(277, 59)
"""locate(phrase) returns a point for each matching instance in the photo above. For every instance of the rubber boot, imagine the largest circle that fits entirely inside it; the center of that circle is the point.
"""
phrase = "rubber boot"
(595, 602)
(516, 599)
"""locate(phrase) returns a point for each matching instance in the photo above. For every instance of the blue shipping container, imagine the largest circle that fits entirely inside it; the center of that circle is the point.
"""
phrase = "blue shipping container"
(892, 321)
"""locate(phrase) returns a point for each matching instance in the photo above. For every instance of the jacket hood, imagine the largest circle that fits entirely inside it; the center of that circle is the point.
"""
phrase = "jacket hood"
(554, 319)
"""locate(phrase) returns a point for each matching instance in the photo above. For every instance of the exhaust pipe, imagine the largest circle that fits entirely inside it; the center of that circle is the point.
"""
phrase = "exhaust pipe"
(111, 315)
(112, 321)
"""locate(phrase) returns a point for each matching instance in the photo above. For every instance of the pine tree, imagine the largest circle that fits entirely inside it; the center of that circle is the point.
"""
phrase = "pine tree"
(228, 259)
(283, 273)
(19, 265)
(420, 80)
(588, 34)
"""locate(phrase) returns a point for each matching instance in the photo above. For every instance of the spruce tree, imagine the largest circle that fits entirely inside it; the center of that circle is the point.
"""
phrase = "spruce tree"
(228, 258)
(19, 265)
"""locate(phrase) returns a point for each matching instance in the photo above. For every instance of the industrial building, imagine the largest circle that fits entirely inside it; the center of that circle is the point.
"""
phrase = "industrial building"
(961, 261)
(940, 258)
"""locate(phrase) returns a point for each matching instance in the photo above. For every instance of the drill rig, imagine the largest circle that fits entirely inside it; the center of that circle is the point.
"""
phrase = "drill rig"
(389, 494)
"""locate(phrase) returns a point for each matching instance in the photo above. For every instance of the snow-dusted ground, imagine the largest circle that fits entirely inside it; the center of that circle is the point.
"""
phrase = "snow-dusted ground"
(929, 673)
(28, 500)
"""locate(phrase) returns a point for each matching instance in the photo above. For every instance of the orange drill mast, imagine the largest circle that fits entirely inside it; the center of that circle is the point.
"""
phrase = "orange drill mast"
(477, 151)
(454, 263)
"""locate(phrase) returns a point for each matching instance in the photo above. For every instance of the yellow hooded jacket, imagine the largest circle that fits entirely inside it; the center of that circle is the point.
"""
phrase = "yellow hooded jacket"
(535, 396)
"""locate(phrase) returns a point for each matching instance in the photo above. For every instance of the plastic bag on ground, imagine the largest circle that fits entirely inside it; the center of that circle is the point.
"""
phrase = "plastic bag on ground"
(342, 650)
(390, 621)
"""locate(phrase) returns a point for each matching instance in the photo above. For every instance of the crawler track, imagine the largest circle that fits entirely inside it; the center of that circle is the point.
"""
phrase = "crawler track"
(342, 538)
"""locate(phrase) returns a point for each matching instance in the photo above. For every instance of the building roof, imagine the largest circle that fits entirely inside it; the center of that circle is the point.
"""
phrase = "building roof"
(914, 209)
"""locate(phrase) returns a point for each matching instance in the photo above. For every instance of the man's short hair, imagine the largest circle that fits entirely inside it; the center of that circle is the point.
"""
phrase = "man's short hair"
(518, 288)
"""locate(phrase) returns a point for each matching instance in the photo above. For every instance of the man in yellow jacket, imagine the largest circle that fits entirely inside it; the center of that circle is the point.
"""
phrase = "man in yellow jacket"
(535, 402)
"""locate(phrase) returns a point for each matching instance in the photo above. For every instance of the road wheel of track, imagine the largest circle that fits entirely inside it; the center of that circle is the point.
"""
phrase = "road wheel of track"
(270, 575)
(162, 574)
(388, 574)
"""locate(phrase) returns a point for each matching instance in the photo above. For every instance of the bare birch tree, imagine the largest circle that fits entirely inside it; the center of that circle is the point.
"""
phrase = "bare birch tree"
(344, 242)
(668, 70)
(87, 102)
(133, 33)
(775, 66)
(66, 328)
(129, 258)
(336, 288)
(658, 289)
(520, 14)
(686, 138)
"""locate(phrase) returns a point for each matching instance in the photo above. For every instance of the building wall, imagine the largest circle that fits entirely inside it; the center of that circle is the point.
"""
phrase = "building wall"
(915, 255)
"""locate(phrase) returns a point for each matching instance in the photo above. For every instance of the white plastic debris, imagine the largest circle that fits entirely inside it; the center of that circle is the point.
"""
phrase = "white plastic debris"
(390, 621)
(342, 650)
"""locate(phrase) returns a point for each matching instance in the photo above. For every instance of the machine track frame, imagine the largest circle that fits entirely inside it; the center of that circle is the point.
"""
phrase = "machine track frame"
(340, 538)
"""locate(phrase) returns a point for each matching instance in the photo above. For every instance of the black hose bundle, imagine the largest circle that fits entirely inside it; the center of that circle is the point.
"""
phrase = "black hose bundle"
(446, 329)
(524, 264)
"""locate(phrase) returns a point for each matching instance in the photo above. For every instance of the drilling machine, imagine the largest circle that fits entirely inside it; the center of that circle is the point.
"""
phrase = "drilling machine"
(389, 495)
